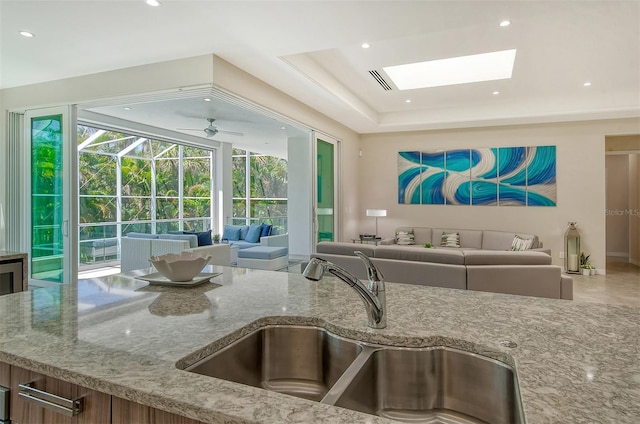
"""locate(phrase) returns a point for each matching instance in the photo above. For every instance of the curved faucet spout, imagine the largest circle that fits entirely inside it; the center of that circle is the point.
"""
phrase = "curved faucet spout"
(374, 296)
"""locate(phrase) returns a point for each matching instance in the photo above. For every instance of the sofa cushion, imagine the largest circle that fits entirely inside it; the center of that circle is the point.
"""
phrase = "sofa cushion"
(142, 235)
(535, 280)
(494, 257)
(339, 248)
(191, 238)
(405, 237)
(204, 238)
(502, 240)
(244, 229)
(468, 238)
(243, 244)
(231, 233)
(253, 235)
(420, 254)
(265, 230)
(263, 252)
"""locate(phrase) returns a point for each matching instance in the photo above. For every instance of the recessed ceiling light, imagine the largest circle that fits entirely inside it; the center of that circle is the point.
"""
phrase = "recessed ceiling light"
(126, 108)
(587, 84)
(495, 93)
(455, 70)
(207, 99)
(366, 45)
(153, 3)
(283, 128)
(408, 101)
(27, 34)
(505, 23)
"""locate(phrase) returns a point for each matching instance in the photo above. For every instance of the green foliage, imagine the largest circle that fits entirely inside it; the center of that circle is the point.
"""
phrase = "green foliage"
(584, 260)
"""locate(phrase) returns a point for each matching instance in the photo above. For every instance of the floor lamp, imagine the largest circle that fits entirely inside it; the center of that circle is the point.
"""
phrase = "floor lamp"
(376, 213)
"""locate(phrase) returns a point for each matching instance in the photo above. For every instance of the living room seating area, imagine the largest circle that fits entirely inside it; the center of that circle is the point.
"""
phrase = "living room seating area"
(483, 261)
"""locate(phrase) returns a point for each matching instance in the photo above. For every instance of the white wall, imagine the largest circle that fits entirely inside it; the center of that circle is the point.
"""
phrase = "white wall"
(617, 171)
(206, 70)
(580, 181)
(242, 84)
(299, 197)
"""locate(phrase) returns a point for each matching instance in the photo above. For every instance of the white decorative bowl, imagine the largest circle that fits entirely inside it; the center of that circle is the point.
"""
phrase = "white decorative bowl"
(180, 266)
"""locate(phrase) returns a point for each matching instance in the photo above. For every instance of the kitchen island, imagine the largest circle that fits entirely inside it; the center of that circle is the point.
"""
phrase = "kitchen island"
(575, 362)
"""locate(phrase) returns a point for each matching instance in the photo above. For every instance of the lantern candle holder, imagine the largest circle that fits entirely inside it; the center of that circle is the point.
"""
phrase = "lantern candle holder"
(572, 249)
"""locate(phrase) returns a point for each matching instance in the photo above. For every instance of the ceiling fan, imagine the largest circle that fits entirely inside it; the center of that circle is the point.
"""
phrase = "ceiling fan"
(211, 130)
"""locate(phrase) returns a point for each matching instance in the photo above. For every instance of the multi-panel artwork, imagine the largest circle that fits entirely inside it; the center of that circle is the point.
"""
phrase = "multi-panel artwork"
(516, 176)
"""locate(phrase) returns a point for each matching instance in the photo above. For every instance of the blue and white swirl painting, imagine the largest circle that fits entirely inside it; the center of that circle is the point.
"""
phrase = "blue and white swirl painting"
(505, 176)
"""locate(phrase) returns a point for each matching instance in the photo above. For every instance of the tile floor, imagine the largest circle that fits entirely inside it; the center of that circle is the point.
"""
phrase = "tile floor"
(620, 286)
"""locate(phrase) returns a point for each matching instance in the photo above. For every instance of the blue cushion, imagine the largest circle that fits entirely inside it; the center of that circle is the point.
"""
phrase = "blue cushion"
(265, 230)
(231, 233)
(244, 230)
(204, 238)
(242, 244)
(263, 252)
(142, 235)
(253, 235)
(191, 238)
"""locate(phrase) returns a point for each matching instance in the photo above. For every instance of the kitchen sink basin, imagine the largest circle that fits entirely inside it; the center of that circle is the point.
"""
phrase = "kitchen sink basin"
(434, 385)
(295, 360)
(437, 385)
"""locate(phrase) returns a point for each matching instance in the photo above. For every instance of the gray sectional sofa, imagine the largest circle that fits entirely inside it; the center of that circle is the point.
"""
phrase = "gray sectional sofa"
(483, 262)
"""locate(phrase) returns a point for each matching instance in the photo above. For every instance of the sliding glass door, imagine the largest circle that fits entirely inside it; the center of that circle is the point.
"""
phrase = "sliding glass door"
(50, 200)
(326, 191)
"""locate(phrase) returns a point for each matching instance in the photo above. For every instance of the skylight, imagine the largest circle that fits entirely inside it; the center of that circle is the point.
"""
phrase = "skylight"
(455, 70)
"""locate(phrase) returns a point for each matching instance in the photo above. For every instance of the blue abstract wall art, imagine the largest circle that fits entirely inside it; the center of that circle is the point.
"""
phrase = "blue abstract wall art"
(505, 176)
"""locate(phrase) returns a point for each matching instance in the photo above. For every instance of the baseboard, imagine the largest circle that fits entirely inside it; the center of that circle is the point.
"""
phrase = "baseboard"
(618, 254)
(601, 271)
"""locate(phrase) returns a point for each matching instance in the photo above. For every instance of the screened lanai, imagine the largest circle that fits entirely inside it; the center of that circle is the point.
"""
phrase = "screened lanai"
(130, 183)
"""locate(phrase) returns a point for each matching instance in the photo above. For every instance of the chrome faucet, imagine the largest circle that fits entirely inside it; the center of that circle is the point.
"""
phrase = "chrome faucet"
(374, 297)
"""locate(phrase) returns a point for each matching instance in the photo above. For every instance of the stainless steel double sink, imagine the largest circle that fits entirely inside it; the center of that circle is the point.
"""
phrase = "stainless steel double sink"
(428, 385)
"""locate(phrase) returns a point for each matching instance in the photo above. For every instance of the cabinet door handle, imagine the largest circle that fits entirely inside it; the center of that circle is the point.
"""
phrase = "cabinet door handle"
(67, 407)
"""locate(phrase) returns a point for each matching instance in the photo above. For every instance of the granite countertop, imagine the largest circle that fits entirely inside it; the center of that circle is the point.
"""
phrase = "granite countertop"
(576, 362)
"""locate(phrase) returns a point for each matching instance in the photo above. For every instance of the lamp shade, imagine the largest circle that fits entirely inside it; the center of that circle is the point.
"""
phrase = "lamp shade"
(376, 212)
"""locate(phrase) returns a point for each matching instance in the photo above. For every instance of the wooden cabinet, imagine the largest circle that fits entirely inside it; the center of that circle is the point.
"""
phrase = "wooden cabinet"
(96, 408)
(125, 412)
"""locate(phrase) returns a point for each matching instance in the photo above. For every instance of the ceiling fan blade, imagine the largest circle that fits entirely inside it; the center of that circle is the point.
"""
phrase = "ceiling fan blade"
(231, 133)
(189, 129)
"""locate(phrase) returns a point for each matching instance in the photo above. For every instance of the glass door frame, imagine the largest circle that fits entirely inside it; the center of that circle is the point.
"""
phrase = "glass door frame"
(337, 190)
(69, 177)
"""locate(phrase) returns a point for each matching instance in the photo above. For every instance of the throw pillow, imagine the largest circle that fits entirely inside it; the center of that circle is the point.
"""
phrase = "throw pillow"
(231, 233)
(405, 237)
(265, 230)
(520, 244)
(204, 238)
(450, 240)
(253, 235)
(244, 229)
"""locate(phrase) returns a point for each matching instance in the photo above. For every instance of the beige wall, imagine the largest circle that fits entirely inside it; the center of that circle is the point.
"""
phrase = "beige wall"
(617, 172)
(634, 206)
(580, 180)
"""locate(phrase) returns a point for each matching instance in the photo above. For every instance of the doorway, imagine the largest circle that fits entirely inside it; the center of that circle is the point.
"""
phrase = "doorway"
(622, 166)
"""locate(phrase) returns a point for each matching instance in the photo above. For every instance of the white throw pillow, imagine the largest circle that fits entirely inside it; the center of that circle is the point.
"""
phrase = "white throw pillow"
(520, 244)
(450, 240)
(405, 237)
